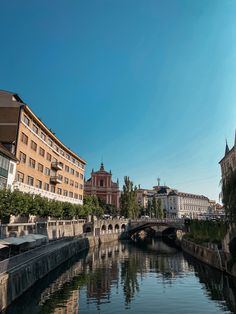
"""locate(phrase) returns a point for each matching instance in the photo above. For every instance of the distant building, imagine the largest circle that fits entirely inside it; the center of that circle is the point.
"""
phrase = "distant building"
(7, 168)
(228, 162)
(101, 185)
(142, 197)
(46, 166)
(177, 204)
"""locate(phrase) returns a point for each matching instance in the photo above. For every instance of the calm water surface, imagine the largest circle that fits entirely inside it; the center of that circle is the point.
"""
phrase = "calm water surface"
(149, 277)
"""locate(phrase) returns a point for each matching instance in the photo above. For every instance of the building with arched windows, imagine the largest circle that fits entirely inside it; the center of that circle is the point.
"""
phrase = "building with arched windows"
(101, 185)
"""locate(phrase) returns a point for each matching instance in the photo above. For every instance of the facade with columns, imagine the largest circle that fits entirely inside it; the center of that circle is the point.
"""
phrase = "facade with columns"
(228, 162)
(101, 185)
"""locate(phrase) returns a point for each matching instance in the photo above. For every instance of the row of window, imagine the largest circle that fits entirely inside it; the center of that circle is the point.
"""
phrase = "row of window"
(50, 142)
(49, 157)
(47, 171)
(39, 184)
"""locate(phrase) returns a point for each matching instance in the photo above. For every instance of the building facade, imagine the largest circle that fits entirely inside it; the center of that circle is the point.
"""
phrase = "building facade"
(101, 185)
(7, 168)
(228, 162)
(46, 166)
(177, 204)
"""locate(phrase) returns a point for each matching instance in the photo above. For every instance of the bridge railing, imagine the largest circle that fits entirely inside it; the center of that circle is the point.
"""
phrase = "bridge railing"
(164, 220)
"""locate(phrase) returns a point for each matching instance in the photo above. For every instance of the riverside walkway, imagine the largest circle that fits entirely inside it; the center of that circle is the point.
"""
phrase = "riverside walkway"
(20, 259)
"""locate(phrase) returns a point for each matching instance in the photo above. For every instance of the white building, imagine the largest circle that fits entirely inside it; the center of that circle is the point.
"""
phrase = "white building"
(7, 168)
(180, 204)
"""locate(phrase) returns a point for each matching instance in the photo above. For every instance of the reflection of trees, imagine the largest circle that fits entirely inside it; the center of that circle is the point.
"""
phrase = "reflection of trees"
(129, 270)
(219, 287)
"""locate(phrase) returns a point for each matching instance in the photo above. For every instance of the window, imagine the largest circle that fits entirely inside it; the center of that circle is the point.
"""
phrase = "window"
(81, 176)
(62, 152)
(20, 176)
(101, 182)
(65, 193)
(76, 185)
(4, 163)
(59, 191)
(77, 174)
(47, 171)
(71, 183)
(46, 186)
(26, 120)
(54, 159)
(73, 160)
(33, 146)
(76, 195)
(43, 136)
(72, 171)
(39, 184)
(66, 180)
(41, 151)
(22, 158)
(81, 197)
(32, 163)
(49, 157)
(30, 180)
(40, 167)
(60, 177)
(66, 168)
(35, 129)
(50, 142)
(68, 156)
(81, 186)
(70, 194)
(24, 138)
(52, 188)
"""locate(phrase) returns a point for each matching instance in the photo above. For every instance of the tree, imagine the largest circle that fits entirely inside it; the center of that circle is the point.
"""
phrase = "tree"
(160, 209)
(229, 195)
(129, 206)
(149, 208)
(154, 207)
(91, 206)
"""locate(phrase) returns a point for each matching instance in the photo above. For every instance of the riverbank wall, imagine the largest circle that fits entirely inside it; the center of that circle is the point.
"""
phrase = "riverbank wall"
(211, 255)
(15, 281)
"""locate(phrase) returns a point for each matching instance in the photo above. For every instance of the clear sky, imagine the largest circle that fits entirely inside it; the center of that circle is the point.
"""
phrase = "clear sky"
(149, 86)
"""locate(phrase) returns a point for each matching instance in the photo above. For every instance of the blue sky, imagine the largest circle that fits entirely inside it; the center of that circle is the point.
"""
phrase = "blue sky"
(149, 86)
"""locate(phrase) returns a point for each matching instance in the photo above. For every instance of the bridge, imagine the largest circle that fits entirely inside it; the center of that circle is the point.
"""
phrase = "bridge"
(132, 226)
(166, 225)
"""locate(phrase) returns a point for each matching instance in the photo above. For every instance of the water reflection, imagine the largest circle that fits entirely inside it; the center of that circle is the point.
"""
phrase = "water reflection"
(130, 277)
(219, 286)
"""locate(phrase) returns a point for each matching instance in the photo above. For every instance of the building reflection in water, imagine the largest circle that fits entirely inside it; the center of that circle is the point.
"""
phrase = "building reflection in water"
(120, 267)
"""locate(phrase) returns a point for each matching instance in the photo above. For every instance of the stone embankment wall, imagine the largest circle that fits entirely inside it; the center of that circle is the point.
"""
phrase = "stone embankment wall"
(17, 280)
(53, 229)
(204, 254)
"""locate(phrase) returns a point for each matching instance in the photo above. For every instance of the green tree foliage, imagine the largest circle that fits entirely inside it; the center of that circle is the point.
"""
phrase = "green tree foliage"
(207, 231)
(128, 204)
(229, 196)
(18, 203)
(154, 207)
(160, 209)
(92, 206)
(149, 208)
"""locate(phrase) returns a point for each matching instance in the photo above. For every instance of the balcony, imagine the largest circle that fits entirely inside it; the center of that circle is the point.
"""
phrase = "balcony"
(56, 165)
(55, 179)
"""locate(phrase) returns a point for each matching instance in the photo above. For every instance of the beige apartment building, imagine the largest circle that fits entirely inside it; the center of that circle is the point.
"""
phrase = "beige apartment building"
(46, 166)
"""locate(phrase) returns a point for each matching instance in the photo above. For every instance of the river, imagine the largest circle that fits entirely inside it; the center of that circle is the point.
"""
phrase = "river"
(146, 277)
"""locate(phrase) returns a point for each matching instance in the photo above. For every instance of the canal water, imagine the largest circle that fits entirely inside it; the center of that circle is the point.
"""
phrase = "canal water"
(144, 277)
